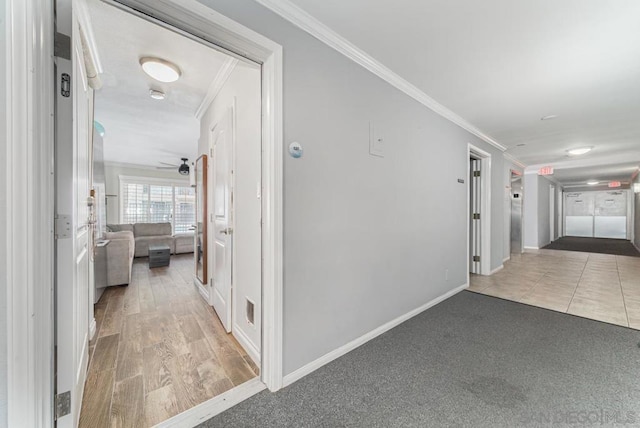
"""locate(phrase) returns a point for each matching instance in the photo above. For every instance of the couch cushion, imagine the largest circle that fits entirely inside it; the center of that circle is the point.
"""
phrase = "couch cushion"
(119, 227)
(123, 234)
(151, 229)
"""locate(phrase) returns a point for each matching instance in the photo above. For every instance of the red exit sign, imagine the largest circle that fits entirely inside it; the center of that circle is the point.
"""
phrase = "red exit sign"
(546, 170)
(614, 184)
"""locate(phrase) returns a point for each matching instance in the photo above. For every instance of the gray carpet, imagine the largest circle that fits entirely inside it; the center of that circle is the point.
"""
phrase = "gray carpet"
(618, 247)
(472, 361)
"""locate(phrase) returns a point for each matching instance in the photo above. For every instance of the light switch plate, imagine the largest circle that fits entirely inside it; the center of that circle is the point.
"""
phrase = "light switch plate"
(376, 141)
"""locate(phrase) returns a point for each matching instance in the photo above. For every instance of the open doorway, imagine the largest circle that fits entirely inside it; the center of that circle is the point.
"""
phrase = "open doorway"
(160, 342)
(479, 209)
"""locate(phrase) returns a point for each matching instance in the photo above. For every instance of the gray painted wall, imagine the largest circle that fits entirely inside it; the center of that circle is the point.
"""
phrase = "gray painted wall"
(366, 239)
(536, 217)
(3, 223)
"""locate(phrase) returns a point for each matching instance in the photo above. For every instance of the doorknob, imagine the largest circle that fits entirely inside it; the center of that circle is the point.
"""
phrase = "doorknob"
(227, 231)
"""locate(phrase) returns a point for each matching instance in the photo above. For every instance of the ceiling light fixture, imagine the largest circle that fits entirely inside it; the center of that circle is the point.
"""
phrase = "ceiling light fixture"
(592, 183)
(157, 95)
(160, 69)
(549, 117)
(579, 151)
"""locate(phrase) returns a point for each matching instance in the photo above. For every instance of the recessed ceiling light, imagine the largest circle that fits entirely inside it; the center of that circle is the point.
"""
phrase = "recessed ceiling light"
(579, 151)
(160, 69)
(549, 117)
(592, 183)
(157, 95)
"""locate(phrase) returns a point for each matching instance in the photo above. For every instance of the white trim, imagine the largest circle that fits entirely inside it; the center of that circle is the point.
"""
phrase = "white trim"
(622, 158)
(499, 268)
(530, 248)
(202, 289)
(112, 164)
(205, 411)
(216, 86)
(506, 259)
(132, 179)
(317, 29)
(28, 188)
(92, 327)
(485, 201)
(248, 346)
(514, 160)
(337, 353)
(193, 19)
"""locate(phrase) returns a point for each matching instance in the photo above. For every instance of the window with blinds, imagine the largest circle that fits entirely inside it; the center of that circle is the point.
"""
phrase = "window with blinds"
(158, 203)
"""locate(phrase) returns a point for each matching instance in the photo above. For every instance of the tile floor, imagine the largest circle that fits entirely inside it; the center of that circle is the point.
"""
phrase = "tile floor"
(602, 287)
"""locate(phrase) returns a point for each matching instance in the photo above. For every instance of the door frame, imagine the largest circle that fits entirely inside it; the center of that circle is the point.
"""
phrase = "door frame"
(30, 207)
(28, 212)
(552, 213)
(485, 212)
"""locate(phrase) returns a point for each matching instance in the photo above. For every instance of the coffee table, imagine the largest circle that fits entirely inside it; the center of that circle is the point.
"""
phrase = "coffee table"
(159, 255)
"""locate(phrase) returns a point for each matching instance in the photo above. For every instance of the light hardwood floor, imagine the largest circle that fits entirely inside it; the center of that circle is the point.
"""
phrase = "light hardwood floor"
(159, 349)
(597, 286)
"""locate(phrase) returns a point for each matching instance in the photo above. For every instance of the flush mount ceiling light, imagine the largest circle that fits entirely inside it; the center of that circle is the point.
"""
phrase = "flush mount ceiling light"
(549, 117)
(592, 183)
(579, 151)
(160, 69)
(157, 95)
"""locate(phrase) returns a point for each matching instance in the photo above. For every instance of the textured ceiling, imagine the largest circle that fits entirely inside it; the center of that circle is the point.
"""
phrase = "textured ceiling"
(139, 129)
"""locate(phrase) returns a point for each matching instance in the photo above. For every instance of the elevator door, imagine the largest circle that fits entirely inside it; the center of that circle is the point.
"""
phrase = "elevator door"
(516, 216)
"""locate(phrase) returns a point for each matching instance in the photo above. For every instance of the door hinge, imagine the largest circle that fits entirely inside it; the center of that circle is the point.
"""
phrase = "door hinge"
(62, 226)
(476, 173)
(63, 404)
(476, 216)
(476, 258)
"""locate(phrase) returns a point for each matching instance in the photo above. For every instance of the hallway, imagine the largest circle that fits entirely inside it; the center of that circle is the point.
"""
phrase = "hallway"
(597, 286)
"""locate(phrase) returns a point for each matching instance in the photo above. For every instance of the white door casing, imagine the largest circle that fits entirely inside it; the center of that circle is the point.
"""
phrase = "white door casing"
(221, 144)
(73, 245)
(476, 207)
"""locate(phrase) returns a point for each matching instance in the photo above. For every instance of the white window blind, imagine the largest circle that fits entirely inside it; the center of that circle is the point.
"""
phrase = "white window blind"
(142, 202)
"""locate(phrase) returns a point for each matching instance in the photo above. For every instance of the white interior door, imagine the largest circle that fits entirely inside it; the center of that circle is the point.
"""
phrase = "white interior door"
(475, 204)
(222, 163)
(610, 219)
(73, 230)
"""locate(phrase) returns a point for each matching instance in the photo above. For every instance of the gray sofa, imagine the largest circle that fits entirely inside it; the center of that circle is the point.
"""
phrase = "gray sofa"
(127, 241)
(146, 234)
(120, 252)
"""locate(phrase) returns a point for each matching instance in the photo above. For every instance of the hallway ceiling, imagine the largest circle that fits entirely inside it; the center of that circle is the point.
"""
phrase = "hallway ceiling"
(503, 65)
(138, 129)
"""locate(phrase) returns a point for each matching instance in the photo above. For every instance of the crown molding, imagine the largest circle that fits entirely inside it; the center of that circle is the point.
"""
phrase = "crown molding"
(216, 86)
(514, 160)
(317, 29)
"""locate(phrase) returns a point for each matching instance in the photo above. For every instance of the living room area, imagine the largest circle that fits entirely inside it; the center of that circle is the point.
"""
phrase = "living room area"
(161, 343)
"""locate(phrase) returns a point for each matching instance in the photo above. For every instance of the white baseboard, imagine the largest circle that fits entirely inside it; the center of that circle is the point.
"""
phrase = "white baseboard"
(204, 411)
(204, 292)
(497, 269)
(531, 248)
(92, 328)
(327, 358)
(247, 344)
(506, 259)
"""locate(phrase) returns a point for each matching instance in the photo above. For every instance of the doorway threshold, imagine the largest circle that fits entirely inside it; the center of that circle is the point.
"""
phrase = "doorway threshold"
(208, 409)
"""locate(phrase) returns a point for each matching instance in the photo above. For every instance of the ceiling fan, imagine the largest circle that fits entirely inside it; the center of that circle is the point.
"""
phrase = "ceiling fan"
(183, 169)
